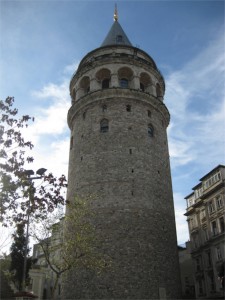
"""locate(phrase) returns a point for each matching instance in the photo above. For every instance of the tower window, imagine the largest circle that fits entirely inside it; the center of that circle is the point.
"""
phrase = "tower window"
(84, 115)
(105, 83)
(119, 39)
(128, 108)
(85, 84)
(142, 87)
(150, 130)
(124, 83)
(149, 113)
(104, 108)
(104, 125)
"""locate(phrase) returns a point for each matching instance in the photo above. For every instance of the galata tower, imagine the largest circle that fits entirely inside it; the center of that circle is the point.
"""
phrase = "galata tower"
(119, 152)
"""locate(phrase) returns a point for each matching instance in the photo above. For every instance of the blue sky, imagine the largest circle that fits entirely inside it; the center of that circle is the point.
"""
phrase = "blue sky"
(42, 43)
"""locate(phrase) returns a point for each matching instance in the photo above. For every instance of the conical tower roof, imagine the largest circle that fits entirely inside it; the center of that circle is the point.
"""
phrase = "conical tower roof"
(116, 35)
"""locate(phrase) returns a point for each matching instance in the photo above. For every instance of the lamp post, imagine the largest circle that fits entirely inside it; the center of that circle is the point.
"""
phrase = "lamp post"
(40, 172)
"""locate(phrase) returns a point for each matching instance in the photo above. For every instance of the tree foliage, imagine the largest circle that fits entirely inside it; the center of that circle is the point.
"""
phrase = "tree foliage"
(18, 253)
(71, 242)
(19, 196)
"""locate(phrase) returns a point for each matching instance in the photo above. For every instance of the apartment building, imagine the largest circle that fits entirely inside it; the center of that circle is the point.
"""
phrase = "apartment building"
(205, 217)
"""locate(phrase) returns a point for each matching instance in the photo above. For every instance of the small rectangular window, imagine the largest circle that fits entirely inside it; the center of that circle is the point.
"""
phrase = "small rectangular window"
(222, 227)
(218, 253)
(219, 202)
(104, 108)
(119, 38)
(211, 207)
(209, 259)
(214, 228)
(128, 107)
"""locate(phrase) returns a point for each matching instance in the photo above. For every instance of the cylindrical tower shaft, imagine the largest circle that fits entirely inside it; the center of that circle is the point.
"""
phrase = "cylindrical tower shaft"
(119, 153)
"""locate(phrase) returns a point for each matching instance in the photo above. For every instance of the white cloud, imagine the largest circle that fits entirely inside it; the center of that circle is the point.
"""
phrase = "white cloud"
(195, 98)
(50, 133)
(70, 69)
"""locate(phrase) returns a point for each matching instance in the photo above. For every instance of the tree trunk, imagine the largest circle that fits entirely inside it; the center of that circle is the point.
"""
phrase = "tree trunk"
(53, 295)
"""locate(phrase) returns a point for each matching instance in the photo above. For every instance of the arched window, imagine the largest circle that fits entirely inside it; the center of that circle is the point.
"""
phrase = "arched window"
(142, 87)
(150, 130)
(125, 76)
(145, 82)
(123, 83)
(85, 84)
(105, 83)
(104, 125)
(103, 77)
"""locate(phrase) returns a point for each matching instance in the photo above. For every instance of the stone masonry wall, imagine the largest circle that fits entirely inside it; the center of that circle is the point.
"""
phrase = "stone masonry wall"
(129, 173)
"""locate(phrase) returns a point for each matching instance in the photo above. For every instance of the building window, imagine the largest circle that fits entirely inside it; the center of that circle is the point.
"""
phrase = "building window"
(85, 84)
(142, 87)
(123, 83)
(211, 207)
(104, 108)
(193, 222)
(221, 221)
(206, 235)
(200, 287)
(84, 115)
(209, 259)
(149, 113)
(218, 253)
(119, 38)
(198, 264)
(195, 241)
(150, 130)
(105, 83)
(104, 125)
(214, 228)
(128, 108)
(212, 284)
(198, 193)
(202, 215)
(219, 202)
(213, 179)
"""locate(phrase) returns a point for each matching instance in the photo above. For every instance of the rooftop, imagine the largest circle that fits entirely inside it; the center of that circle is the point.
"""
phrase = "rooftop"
(116, 34)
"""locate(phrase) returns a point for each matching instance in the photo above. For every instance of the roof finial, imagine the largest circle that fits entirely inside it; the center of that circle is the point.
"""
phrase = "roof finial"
(115, 17)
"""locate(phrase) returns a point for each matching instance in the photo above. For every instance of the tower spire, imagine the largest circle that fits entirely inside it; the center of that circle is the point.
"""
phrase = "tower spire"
(115, 17)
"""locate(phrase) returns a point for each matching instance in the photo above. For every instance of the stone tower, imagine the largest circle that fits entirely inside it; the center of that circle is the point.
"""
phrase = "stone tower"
(119, 152)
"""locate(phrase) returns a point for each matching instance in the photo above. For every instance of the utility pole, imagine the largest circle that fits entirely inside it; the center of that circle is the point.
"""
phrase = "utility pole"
(39, 172)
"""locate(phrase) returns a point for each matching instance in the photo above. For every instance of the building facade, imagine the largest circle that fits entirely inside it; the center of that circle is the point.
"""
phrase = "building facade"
(42, 277)
(119, 154)
(186, 272)
(205, 216)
